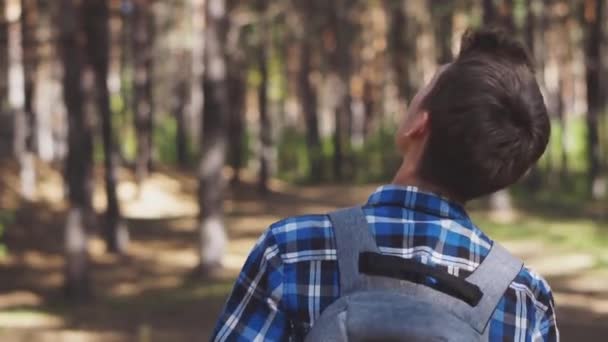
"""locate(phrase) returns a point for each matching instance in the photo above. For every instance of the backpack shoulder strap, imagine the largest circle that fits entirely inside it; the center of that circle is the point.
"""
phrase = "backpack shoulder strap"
(493, 277)
(352, 237)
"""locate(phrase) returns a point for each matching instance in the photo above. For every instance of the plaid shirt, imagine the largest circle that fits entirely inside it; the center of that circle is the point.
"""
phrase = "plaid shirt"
(291, 275)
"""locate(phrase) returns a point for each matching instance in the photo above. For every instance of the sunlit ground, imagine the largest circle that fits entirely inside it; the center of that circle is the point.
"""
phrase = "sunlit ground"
(150, 295)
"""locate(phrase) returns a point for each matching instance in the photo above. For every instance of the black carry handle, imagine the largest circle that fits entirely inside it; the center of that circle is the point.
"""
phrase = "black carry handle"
(395, 267)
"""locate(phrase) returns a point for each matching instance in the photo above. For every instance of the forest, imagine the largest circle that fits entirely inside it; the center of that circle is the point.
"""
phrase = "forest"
(145, 145)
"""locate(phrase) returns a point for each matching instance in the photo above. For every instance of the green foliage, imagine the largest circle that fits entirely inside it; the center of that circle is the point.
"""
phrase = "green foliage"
(572, 140)
(6, 218)
(165, 141)
(520, 12)
(557, 193)
(165, 133)
(277, 82)
(117, 106)
(375, 161)
(128, 142)
(293, 161)
(378, 159)
(577, 141)
(122, 123)
(476, 19)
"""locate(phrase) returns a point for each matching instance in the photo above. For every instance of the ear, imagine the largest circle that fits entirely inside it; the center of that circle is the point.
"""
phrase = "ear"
(419, 127)
(416, 129)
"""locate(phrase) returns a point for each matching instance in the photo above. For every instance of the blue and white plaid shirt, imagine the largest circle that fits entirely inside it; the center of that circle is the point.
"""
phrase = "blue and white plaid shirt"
(291, 275)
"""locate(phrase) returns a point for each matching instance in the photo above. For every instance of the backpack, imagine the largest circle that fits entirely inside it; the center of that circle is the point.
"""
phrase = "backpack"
(388, 298)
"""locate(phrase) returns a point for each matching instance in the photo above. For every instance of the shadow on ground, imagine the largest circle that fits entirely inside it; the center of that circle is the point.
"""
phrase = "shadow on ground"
(150, 296)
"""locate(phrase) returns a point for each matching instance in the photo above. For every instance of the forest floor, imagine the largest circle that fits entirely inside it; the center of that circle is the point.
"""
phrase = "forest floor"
(150, 294)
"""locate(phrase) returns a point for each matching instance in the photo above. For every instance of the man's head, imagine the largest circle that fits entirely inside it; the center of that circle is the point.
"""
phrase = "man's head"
(481, 123)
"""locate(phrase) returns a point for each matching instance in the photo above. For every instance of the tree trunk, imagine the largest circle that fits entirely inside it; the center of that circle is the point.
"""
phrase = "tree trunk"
(358, 114)
(143, 26)
(308, 95)
(195, 106)
(499, 16)
(370, 101)
(116, 57)
(401, 50)
(237, 87)
(180, 97)
(306, 89)
(530, 26)
(96, 17)
(534, 33)
(6, 140)
(19, 103)
(78, 173)
(561, 117)
(443, 15)
(29, 19)
(341, 67)
(555, 65)
(265, 126)
(126, 69)
(215, 110)
(46, 93)
(501, 206)
(489, 13)
(593, 15)
(506, 15)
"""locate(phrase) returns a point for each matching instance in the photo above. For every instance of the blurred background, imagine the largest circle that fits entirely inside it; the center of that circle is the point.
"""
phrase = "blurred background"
(143, 143)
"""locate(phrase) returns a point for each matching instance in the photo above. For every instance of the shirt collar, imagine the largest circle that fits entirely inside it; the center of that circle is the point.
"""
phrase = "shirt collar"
(412, 198)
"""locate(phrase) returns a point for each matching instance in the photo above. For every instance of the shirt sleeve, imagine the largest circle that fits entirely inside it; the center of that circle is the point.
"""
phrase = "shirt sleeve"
(547, 327)
(253, 310)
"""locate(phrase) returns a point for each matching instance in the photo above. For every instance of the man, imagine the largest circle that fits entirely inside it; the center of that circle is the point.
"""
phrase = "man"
(476, 128)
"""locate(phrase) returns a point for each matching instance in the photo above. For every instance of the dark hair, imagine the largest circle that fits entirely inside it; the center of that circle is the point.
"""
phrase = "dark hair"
(488, 120)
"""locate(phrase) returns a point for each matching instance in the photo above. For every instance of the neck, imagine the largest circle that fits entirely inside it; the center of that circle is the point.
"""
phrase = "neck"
(407, 176)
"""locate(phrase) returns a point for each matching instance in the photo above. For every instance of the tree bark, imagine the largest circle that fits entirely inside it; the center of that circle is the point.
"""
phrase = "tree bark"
(46, 93)
(443, 14)
(237, 87)
(180, 91)
(29, 19)
(78, 173)
(489, 13)
(340, 59)
(593, 15)
(499, 16)
(143, 26)
(506, 15)
(561, 117)
(215, 110)
(6, 140)
(308, 95)
(370, 101)
(96, 18)
(501, 206)
(401, 50)
(308, 99)
(19, 98)
(265, 126)
(530, 27)
(195, 105)
(126, 67)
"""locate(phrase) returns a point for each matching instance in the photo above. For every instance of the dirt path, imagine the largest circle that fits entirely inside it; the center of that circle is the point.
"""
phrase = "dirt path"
(150, 296)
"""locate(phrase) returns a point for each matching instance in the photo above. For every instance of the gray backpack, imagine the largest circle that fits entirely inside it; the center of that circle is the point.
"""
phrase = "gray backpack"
(387, 298)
